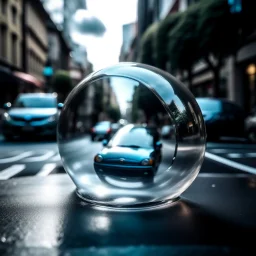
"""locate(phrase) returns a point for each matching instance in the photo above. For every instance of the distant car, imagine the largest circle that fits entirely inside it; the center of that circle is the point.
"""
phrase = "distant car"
(115, 127)
(250, 126)
(222, 118)
(31, 114)
(134, 151)
(167, 131)
(102, 130)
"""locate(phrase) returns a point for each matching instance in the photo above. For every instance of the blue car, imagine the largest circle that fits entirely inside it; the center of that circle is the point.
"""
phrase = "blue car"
(134, 151)
(31, 114)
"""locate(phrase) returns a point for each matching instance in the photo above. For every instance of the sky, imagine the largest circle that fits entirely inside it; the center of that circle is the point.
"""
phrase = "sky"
(104, 51)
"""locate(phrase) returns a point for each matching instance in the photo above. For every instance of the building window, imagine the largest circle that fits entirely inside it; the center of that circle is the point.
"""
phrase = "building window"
(14, 15)
(14, 49)
(3, 6)
(3, 41)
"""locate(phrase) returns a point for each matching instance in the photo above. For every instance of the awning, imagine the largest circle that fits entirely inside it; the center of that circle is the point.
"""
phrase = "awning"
(28, 78)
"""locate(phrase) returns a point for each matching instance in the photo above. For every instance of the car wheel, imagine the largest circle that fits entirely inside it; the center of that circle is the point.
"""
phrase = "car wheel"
(252, 136)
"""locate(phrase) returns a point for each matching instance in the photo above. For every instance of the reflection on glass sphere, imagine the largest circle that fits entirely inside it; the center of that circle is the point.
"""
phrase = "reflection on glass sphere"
(131, 135)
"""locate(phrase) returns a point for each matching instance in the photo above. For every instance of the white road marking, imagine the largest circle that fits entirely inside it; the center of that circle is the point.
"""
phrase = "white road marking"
(15, 158)
(241, 155)
(43, 157)
(218, 150)
(11, 171)
(250, 154)
(235, 155)
(56, 158)
(46, 169)
(225, 175)
(231, 163)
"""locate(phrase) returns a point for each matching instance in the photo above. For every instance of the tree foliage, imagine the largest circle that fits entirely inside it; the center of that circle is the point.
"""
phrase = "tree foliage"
(114, 113)
(62, 84)
(217, 28)
(161, 38)
(183, 41)
(219, 36)
(146, 51)
(146, 101)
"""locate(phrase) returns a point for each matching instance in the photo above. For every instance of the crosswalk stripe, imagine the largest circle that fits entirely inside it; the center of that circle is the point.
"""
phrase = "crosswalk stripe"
(15, 158)
(234, 155)
(46, 169)
(218, 150)
(241, 155)
(11, 171)
(235, 165)
(250, 154)
(43, 157)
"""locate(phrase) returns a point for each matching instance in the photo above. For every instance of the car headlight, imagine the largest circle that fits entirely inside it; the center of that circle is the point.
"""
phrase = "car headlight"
(98, 158)
(52, 118)
(7, 117)
(147, 162)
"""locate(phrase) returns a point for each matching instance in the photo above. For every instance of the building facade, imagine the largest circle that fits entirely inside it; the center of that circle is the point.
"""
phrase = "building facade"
(36, 38)
(58, 48)
(62, 16)
(238, 74)
(129, 32)
(11, 34)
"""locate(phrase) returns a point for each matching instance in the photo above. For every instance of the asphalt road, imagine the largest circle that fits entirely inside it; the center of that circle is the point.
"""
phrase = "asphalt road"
(41, 158)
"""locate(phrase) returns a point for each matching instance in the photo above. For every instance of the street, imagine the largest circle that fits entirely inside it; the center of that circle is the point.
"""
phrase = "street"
(41, 158)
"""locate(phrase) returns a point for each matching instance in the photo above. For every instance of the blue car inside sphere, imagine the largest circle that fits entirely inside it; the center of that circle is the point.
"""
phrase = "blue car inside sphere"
(134, 151)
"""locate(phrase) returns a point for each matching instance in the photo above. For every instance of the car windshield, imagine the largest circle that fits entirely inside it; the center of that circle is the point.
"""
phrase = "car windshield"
(35, 102)
(209, 105)
(136, 138)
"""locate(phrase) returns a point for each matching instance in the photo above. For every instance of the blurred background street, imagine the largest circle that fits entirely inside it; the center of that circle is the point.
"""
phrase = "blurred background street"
(49, 46)
(41, 158)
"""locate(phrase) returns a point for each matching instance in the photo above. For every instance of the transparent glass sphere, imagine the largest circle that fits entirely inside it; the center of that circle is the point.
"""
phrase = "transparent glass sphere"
(131, 135)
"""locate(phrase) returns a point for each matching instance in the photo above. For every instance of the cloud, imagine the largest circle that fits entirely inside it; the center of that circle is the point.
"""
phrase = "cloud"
(85, 23)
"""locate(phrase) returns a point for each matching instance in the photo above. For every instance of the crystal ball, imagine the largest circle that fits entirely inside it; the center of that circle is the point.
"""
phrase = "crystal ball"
(131, 136)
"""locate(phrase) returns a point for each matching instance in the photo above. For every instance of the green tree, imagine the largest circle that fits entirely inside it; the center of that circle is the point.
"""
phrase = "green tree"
(135, 108)
(114, 113)
(146, 49)
(97, 101)
(148, 102)
(62, 84)
(183, 42)
(219, 36)
(161, 39)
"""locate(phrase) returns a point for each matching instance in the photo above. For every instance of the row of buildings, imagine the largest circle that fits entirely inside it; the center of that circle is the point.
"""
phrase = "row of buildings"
(238, 74)
(33, 46)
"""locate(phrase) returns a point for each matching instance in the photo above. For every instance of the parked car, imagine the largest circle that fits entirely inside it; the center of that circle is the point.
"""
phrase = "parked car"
(250, 126)
(101, 130)
(31, 114)
(222, 118)
(135, 151)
